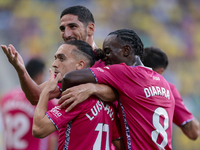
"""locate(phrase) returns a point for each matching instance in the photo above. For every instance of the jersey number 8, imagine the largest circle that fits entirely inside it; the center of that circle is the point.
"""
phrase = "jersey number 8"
(159, 128)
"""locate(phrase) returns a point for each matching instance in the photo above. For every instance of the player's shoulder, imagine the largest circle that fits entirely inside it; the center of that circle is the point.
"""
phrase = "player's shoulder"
(171, 84)
(121, 66)
(98, 63)
(141, 67)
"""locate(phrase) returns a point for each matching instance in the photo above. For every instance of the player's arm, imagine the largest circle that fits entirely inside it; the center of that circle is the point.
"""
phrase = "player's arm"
(42, 125)
(191, 129)
(77, 77)
(30, 88)
(119, 144)
(182, 114)
(78, 94)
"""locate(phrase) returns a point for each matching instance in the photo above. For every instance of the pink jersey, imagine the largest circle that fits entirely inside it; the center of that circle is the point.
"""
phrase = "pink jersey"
(90, 125)
(97, 64)
(17, 113)
(181, 114)
(146, 105)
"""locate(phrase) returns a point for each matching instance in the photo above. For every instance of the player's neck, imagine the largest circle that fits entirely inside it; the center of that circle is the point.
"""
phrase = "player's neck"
(90, 41)
(137, 62)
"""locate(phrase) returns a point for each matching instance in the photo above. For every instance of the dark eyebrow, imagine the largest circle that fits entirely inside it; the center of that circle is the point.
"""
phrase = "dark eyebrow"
(72, 24)
(59, 55)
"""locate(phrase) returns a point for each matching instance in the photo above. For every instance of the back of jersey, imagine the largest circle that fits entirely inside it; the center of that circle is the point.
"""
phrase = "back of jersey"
(146, 105)
(149, 108)
(17, 113)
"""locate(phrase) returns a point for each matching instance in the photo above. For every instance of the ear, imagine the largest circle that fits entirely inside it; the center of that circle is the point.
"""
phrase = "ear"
(80, 65)
(126, 51)
(91, 29)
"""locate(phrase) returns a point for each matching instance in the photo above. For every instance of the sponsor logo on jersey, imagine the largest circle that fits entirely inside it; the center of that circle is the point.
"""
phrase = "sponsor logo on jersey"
(56, 112)
(156, 78)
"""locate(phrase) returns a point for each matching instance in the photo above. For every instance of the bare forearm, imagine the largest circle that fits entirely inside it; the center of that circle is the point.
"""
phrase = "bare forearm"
(87, 86)
(191, 129)
(77, 77)
(42, 125)
(40, 113)
(33, 90)
(105, 93)
(30, 88)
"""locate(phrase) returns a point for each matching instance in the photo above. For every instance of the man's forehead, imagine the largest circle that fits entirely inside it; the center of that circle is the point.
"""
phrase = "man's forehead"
(65, 49)
(69, 18)
(110, 39)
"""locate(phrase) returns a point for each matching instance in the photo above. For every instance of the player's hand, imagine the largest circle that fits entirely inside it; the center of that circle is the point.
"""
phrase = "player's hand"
(14, 57)
(75, 95)
(52, 82)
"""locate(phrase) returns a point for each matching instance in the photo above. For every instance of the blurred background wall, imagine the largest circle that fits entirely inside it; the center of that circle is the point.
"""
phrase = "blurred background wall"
(32, 26)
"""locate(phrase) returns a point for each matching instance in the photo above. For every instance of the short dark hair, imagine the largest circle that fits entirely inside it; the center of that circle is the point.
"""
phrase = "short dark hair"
(35, 66)
(84, 15)
(85, 48)
(155, 58)
(128, 36)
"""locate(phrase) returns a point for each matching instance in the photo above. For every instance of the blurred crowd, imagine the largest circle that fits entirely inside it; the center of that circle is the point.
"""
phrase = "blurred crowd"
(32, 26)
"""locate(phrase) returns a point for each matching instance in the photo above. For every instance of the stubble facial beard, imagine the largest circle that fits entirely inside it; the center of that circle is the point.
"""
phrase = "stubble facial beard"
(85, 36)
(74, 38)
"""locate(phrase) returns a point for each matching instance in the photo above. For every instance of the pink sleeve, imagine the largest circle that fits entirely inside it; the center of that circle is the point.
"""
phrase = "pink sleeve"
(181, 114)
(52, 103)
(60, 118)
(109, 74)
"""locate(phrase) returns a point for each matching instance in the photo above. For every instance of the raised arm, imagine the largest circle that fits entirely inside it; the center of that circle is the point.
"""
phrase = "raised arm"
(88, 87)
(30, 88)
(42, 125)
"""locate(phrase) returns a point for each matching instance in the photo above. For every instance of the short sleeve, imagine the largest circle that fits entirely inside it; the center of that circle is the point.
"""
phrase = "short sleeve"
(181, 114)
(110, 74)
(60, 118)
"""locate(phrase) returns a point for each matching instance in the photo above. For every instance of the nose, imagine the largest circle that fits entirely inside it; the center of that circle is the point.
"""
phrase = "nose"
(54, 64)
(67, 33)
